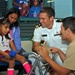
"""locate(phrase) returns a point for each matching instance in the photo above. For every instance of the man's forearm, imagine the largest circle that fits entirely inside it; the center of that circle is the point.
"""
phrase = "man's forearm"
(61, 54)
(37, 48)
(59, 69)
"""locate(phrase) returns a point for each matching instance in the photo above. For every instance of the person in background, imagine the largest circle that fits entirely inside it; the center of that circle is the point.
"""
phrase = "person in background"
(67, 33)
(49, 31)
(24, 11)
(8, 51)
(35, 9)
(23, 6)
(13, 15)
(18, 3)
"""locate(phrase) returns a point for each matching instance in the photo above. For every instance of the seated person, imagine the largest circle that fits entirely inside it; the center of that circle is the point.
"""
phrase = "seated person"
(67, 33)
(24, 10)
(47, 31)
(8, 51)
(35, 9)
(13, 15)
(18, 3)
(22, 5)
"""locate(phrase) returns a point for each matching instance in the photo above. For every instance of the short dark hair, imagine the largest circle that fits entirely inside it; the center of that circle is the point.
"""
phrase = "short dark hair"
(69, 22)
(50, 11)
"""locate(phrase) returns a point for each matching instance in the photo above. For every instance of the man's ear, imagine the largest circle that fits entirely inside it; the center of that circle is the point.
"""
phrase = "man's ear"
(68, 31)
(51, 18)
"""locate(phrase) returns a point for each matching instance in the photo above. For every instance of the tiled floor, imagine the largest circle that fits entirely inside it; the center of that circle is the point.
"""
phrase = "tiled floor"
(5, 73)
(2, 73)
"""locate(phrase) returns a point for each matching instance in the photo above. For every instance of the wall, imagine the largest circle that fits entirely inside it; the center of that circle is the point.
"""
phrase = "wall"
(63, 8)
(9, 3)
(73, 9)
(27, 45)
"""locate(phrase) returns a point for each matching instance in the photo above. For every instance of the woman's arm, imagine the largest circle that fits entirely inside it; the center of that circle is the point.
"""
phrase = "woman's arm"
(12, 45)
(16, 38)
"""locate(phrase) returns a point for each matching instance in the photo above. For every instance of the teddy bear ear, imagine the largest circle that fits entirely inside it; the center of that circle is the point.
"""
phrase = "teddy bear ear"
(59, 20)
(38, 25)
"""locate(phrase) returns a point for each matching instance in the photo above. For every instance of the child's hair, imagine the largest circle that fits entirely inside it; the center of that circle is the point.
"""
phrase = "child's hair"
(4, 21)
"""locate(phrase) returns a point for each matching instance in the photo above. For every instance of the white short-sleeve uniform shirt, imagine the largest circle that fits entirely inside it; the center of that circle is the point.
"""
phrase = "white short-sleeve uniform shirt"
(48, 36)
(52, 41)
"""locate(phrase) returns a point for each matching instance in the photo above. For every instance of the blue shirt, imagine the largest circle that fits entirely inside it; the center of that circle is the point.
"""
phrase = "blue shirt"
(34, 11)
(16, 37)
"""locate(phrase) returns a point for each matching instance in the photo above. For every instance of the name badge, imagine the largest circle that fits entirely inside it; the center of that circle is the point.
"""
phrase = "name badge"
(44, 35)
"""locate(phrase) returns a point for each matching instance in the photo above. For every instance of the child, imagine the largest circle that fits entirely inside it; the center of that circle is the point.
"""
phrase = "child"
(35, 9)
(24, 10)
(18, 3)
(6, 44)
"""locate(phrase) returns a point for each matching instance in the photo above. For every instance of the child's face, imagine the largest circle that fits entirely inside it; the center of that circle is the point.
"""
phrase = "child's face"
(4, 29)
(24, 6)
(35, 2)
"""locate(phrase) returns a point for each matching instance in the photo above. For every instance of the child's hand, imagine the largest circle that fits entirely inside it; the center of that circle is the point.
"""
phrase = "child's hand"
(54, 50)
(12, 53)
(6, 56)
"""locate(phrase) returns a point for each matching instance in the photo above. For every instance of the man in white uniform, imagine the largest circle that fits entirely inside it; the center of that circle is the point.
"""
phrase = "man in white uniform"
(49, 31)
(68, 33)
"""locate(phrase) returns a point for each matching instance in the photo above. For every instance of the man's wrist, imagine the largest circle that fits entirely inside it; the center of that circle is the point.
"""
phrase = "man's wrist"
(48, 58)
(58, 51)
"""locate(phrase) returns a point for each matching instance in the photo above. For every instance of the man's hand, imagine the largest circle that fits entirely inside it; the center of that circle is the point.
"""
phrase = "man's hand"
(44, 53)
(54, 50)
(6, 55)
